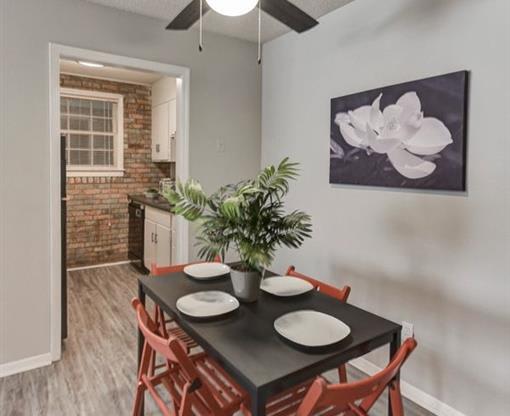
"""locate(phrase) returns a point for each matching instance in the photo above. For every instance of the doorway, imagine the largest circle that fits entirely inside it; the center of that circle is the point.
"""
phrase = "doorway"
(57, 212)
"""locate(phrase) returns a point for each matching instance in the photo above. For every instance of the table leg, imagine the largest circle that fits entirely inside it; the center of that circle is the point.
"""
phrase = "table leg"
(258, 405)
(141, 296)
(394, 346)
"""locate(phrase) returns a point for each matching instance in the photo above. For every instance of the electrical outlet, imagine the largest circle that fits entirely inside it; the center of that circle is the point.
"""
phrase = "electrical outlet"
(407, 330)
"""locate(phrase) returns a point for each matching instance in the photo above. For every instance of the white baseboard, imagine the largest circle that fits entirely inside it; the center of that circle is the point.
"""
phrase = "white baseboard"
(410, 392)
(96, 266)
(30, 363)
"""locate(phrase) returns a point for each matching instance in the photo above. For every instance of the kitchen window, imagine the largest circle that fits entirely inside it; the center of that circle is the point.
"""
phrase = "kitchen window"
(93, 125)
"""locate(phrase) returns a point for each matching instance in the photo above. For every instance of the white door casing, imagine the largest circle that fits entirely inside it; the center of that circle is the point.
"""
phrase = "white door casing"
(182, 75)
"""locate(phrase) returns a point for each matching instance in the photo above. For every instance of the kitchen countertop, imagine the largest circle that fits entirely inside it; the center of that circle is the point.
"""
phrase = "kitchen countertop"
(158, 203)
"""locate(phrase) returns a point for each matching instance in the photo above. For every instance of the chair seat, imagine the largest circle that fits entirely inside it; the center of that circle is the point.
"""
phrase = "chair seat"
(288, 402)
(229, 395)
(173, 329)
(225, 392)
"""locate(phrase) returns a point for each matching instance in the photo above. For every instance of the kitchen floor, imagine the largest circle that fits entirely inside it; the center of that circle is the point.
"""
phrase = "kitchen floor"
(97, 373)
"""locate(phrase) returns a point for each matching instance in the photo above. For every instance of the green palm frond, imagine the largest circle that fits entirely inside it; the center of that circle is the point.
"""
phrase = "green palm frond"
(189, 200)
(276, 179)
(231, 207)
(248, 215)
(293, 230)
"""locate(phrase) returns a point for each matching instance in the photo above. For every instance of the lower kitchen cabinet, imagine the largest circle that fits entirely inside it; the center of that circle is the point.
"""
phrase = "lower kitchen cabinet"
(157, 238)
(163, 246)
(149, 229)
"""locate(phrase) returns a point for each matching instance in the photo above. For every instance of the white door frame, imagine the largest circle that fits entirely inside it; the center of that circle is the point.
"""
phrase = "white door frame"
(56, 52)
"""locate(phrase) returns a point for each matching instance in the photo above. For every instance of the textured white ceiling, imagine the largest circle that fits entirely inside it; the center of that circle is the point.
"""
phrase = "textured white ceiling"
(243, 27)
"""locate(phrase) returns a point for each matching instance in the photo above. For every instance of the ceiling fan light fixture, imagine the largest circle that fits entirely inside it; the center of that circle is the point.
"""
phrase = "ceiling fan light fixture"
(232, 7)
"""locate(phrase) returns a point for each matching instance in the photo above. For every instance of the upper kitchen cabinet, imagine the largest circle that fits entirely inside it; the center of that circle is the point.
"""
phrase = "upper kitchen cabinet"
(164, 120)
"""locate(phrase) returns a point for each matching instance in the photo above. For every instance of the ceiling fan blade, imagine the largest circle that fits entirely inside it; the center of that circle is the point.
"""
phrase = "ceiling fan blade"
(288, 14)
(191, 13)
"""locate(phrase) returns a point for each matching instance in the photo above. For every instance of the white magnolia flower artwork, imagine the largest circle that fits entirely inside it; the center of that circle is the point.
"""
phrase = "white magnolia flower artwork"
(408, 135)
(400, 130)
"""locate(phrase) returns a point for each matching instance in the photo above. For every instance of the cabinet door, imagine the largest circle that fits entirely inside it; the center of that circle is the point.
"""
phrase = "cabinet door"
(172, 129)
(163, 246)
(148, 243)
(160, 142)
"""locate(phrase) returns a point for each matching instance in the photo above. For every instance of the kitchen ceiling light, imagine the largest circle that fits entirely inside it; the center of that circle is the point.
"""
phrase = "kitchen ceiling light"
(232, 7)
(91, 64)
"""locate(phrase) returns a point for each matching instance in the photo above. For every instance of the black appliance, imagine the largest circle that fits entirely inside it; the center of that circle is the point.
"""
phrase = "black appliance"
(135, 234)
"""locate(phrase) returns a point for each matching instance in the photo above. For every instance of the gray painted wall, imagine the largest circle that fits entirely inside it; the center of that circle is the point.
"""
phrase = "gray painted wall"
(2, 176)
(225, 103)
(438, 260)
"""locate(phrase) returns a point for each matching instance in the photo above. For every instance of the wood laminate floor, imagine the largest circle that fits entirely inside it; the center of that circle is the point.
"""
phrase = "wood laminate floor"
(97, 373)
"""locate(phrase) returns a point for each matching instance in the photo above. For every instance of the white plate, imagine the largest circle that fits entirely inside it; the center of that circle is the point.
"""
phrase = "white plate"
(204, 271)
(311, 328)
(285, 286)
(207, 304)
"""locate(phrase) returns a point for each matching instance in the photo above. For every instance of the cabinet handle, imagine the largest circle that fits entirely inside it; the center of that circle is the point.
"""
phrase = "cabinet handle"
(157, 148)
(152, 237)
(156, 238)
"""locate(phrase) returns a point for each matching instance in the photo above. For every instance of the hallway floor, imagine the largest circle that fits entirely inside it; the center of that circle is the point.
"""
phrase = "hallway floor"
(97, 373)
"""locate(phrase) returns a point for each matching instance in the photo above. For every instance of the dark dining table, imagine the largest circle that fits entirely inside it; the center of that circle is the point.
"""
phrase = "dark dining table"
(250, 350)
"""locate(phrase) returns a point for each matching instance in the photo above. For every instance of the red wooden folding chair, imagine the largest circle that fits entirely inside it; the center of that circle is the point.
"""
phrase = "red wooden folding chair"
(341, 294)
(318, 397)
(167, 325)
(356, 399)
(196, 385)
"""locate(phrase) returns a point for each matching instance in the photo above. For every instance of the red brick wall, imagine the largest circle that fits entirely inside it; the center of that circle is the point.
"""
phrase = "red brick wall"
(97, 209)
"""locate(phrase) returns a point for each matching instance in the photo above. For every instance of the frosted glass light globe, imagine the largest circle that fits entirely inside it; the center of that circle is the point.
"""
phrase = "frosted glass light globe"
(232, 7)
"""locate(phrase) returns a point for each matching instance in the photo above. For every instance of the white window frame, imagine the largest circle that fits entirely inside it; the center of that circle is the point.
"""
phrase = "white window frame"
(118, 145)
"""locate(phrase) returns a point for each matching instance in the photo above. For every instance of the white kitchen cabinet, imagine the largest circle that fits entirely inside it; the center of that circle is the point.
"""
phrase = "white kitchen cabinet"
(163, 90)
(164, 120)
(158, 244)
(160, 141)
(148, 243)
(172, 128)
(164, 129)
(163, 246)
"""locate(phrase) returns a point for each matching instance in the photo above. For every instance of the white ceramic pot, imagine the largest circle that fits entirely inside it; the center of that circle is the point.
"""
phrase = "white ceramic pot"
(246, 285)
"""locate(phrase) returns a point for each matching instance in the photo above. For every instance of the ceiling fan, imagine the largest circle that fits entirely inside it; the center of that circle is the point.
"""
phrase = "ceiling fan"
(282, 10)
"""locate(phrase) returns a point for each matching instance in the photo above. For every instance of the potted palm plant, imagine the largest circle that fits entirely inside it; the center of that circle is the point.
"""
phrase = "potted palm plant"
(248, 216)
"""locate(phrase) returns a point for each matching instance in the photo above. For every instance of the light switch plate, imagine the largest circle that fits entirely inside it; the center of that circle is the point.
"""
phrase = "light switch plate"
(407, 330)
(220, 146)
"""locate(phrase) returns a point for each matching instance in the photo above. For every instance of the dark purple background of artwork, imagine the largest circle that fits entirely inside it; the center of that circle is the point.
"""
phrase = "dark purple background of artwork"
(443, 97)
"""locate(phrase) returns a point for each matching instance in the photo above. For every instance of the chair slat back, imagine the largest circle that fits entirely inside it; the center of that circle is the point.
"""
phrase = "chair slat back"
(344, 395)
(151, 332)
(340, 294)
